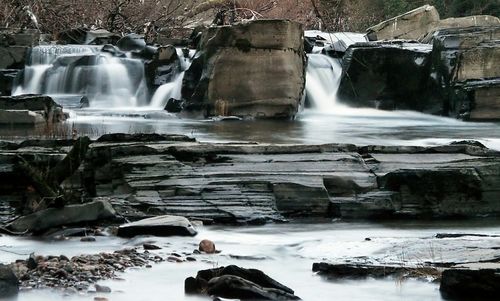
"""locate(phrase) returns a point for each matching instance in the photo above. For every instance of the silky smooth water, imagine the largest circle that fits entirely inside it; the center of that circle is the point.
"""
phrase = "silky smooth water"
(286, 252)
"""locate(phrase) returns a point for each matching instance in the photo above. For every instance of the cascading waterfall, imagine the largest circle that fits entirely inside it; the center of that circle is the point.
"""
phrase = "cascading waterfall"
(173, 89)
(322, 81)
(106, 80)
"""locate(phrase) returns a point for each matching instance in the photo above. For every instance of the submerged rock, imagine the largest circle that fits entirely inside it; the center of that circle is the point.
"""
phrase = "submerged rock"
(254, 69)
(166, 225)
(9, 284)
(55, 217)
(238, 283)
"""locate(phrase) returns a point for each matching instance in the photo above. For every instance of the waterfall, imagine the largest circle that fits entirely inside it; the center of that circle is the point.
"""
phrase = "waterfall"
(106, 80)
(173, 88)
(322, 81)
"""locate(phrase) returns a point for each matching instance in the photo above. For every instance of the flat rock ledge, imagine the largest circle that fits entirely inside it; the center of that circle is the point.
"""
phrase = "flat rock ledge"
(149, 175)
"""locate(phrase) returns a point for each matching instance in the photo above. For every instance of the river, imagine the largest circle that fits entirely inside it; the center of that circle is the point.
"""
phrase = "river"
(286, 252)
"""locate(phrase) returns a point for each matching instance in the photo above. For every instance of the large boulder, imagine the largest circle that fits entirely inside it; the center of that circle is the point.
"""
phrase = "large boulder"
(411, 25)
(418, 23)
(389, 75)
(482, 284)
(9, 284)
(254, 69)
(14, 47)
(166, 225)
(55, 217)
(29, 106)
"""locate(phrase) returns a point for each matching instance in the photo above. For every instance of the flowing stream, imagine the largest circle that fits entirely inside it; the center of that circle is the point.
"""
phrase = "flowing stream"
(286, 252)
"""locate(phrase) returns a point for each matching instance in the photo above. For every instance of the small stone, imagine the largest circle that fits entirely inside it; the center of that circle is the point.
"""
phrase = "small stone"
(174, 259)
(100, 299)
(190, 258)
(102, 289)
(150, 247)
(207, 246)
(32, 263)
(88, 239)
(368, 239)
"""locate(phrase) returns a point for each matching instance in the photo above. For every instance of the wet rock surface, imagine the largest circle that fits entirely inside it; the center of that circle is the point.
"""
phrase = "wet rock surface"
(153, 175)
(360, 271)
(235, 282)
(78, 273)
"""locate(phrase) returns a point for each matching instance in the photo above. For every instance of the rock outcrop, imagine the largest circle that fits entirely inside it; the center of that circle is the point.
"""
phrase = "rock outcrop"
(154, 175)
(453, 72)
(254, 69)
(418, 23)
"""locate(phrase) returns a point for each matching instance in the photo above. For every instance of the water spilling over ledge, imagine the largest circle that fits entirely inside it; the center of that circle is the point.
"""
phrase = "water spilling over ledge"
(107, 80)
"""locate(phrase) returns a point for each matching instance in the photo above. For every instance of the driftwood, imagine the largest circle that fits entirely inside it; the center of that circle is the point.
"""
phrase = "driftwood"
(48, 185)
(70, 163)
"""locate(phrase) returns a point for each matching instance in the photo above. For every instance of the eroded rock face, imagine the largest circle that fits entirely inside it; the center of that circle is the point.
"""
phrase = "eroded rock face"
(253, 69)
(389, 76)
(465, 67)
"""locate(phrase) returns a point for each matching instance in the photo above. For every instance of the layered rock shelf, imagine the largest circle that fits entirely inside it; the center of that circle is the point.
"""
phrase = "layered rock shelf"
(150, 175)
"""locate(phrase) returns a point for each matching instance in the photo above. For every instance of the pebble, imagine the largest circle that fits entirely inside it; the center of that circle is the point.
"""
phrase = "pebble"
(150, 247)
(88, 239)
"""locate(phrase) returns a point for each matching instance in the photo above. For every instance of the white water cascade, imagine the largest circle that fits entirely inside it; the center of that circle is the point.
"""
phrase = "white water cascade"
(173, 89)
(322, 82)
(61, 70)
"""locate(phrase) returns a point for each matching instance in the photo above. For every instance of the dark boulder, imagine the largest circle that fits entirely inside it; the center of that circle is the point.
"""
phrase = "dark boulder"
(239, 283)
(173, 105)
(389, 76)
(9, 284)
(462, 284)
(131, 42)
(235, 287)
(166, 225)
